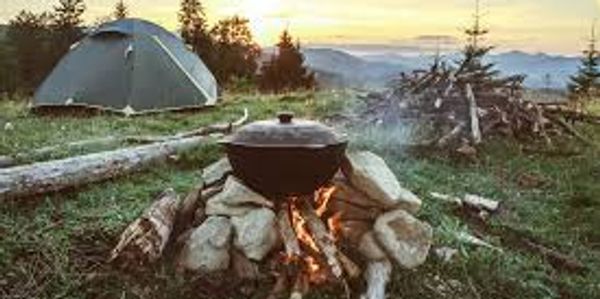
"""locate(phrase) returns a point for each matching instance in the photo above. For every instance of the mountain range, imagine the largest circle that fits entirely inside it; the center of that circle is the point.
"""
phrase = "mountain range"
(339, 68)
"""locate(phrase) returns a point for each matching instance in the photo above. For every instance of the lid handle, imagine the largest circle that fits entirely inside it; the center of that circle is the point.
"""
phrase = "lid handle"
(285, 117)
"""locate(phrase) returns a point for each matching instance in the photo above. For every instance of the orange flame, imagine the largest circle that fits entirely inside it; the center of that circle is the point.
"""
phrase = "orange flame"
(322, 199)
(299, 224)
(335, 225)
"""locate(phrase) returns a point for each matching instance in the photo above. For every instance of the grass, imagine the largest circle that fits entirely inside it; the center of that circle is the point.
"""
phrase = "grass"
(56, 246)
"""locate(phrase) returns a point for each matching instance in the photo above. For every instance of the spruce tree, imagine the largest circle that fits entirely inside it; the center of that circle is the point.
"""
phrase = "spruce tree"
(286, 71)
(67, 26)
(121, 10)
(472, 68)
(194, 31)
(585, 85)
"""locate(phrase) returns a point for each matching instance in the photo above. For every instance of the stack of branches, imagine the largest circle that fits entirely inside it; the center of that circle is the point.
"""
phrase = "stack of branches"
(466, 105)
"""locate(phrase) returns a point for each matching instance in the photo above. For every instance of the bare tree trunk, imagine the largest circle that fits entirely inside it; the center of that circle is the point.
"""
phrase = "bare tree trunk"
(52, 176)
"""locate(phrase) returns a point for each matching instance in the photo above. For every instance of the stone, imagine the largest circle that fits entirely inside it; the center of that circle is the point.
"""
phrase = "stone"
(406, 239)
(446, 254)
(255, 233)
(345, 192)
(235, 200)
(216, 172)
(207, 249)
(370, 248)
(370, 174)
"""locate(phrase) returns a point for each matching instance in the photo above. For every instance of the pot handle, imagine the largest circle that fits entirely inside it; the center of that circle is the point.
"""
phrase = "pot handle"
(285, 117)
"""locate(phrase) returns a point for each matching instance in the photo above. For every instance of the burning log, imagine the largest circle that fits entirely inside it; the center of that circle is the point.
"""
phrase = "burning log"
(290, 241)
(322, 237)
(145, 239)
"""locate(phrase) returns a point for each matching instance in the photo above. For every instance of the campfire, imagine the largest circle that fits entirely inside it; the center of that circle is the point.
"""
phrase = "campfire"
(353, 226)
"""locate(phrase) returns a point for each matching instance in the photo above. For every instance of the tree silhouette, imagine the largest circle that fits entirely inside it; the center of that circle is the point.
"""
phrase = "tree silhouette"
(474, 70)
(285, 70)
(67, 26)
(236, 52)
(29, 35)
(121, 10)
(195, 33)
(585, 85)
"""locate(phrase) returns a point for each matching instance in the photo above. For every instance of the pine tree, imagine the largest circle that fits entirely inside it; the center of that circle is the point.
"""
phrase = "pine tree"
(285, 70)
(473, 69)
(67, 26)
(195, 33)
(29, 36)
(121, 10)
(585, 85)
(236, 52)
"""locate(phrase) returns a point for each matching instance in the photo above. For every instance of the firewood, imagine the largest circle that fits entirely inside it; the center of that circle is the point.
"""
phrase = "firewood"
(475, 129)
(243, 267)
(40, 178)
(301, 286)
(353, 212)
(571, 130)
(377, 275)
(350, 267)
(322, 236)
(454, 134)
(145, 239)
(290, 241)
(280, 287)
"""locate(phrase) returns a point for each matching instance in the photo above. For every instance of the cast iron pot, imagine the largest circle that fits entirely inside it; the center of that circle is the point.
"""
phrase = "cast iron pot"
(285, 157)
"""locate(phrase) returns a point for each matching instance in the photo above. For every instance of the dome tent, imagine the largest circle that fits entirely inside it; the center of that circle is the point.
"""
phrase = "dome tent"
(132, 66)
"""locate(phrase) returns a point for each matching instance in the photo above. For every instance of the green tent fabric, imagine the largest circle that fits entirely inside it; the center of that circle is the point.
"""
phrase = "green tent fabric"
(132, 66)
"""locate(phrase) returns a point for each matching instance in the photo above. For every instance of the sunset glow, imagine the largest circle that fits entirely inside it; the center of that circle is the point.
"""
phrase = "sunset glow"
(552, 26)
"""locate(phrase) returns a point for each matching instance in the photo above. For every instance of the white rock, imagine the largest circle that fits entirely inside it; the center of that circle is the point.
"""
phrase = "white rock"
(377, 276)
(370, 174)
(404, 238)
(446, 254)
(207, 249)
(369, 248)
(255, 233)
(235, 200)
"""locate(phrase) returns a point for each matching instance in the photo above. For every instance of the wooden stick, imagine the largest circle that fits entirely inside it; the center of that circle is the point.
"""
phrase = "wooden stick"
(145, 239)
(350, 267)
(290, 241)
(475, 129)
(53, 176)
(571, 130)
(301, 286)
(442, 142)
(321, 235)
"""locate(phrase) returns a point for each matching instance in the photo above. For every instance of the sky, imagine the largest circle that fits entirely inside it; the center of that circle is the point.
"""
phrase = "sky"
(551, 26)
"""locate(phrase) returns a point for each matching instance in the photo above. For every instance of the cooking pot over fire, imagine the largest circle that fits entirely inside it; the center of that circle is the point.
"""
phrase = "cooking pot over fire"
(286, 156)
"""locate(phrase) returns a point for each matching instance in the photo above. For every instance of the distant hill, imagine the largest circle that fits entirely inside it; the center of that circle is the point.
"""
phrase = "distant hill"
(336, 68)
(537, 67)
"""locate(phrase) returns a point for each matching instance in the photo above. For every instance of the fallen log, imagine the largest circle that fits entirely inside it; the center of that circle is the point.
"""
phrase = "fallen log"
(40, 178)
(115, 141)
(145, 239)
(290, 241)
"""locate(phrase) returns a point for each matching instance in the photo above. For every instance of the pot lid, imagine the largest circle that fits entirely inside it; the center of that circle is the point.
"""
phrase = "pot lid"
(286, 131)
